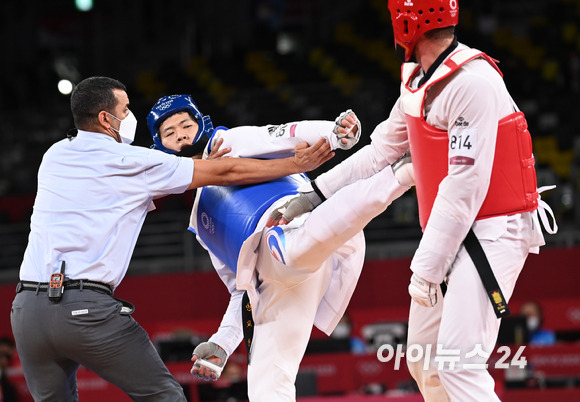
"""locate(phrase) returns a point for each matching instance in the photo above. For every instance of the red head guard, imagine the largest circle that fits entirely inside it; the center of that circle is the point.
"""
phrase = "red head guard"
(412, 18)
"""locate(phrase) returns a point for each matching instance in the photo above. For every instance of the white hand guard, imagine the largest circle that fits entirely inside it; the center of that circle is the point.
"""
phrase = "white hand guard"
(403, 170)
(208, 349)
(423, 292)
(351, 141)
(296, 206)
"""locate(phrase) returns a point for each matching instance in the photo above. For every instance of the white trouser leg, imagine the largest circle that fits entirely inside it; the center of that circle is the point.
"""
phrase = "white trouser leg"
(467, 319)
(423, 334)
(340, 217)
(465, 325)
(283, 322)
(295, 278)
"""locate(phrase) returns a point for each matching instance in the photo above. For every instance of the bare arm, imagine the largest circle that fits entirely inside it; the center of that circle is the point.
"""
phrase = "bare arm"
(236, 171)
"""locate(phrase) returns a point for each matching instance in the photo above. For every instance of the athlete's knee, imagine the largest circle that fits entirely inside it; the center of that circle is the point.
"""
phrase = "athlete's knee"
(425, 374)
(416, 368)
(428, 381)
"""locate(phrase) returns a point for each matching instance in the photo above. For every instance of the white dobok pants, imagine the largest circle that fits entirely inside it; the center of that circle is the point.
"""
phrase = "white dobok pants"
(290, 293)
(464, 320)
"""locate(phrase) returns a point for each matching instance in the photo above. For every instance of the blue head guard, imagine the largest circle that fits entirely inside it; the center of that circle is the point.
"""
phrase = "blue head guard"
(169, 105)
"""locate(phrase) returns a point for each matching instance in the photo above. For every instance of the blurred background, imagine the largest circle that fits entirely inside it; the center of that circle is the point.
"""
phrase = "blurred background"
(257, 62)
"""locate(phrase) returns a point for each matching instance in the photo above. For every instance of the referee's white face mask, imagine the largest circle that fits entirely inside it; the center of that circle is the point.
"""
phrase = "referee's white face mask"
(127, 128)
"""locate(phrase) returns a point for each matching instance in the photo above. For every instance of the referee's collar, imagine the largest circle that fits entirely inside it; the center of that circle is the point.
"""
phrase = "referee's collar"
(95, 135)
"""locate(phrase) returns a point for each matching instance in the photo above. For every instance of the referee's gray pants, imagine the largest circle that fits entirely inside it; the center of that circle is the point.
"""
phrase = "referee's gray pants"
(86, 328)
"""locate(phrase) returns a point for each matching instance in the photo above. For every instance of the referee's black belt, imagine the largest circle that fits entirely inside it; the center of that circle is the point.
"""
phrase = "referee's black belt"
(70, 284)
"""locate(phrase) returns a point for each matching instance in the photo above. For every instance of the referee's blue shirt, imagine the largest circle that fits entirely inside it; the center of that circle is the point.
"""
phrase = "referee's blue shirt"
(93, 196)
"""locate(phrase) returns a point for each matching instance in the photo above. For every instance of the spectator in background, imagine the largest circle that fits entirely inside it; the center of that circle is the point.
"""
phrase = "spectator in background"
(231, 386)
(539, 336)
(7, 390)
(344, 330)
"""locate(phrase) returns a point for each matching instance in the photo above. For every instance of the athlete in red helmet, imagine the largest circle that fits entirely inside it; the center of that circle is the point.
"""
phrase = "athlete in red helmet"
(411, 19)
(474, 174)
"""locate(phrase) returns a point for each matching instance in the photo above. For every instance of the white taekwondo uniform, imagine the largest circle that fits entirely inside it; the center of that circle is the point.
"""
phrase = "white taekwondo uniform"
(469, 102)
(296, 275)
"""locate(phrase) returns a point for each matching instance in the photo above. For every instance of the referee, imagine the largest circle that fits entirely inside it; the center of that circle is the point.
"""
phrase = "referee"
(94, 191)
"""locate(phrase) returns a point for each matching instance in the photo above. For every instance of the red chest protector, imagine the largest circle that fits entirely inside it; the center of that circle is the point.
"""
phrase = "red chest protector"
(513, 183)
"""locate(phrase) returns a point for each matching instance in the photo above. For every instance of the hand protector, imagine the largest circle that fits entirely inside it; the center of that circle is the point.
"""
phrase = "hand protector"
(403, 170)
(206, 350)
(351, 141)
(296, 206)
(423, 292)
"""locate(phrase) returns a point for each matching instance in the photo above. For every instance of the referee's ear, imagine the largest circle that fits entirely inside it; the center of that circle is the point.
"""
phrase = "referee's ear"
(104, 120)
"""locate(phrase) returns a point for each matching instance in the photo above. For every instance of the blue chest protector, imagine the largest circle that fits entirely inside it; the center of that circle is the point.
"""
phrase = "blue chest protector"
(227, 216)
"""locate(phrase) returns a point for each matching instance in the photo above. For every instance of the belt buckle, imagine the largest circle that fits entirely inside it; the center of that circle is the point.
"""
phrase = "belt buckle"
(19, 287)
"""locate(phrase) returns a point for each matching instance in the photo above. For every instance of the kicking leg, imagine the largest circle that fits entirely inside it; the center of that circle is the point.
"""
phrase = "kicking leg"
(339, 218)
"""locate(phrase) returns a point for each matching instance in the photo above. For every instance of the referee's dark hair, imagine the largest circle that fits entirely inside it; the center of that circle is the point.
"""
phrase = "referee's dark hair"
(91, 96)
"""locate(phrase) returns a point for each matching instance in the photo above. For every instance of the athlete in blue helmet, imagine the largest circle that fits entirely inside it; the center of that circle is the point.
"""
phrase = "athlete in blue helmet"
(287, 278)
(94, 192)
(169, 105)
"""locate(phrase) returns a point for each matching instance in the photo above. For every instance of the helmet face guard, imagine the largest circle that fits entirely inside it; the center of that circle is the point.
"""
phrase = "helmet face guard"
(168, 106)
(412, 18)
